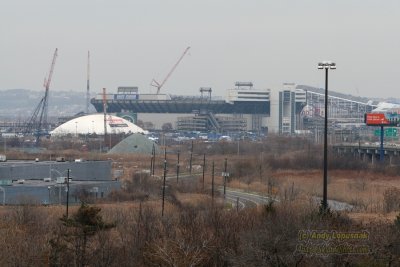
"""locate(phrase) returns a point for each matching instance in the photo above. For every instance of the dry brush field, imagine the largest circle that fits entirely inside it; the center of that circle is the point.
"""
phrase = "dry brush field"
(127, 229)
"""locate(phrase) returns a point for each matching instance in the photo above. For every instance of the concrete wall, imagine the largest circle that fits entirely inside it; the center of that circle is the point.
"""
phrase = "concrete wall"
(80, 171)
(272, 122)
(51, 193)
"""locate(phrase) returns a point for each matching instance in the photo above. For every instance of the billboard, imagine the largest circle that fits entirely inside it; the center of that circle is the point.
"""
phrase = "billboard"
(381, 119)
(116, 122)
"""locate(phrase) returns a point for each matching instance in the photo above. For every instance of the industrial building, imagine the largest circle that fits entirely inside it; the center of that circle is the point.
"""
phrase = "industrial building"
(45, 182)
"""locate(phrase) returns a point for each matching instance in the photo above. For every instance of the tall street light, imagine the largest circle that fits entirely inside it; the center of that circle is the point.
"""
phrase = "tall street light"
(326, 65)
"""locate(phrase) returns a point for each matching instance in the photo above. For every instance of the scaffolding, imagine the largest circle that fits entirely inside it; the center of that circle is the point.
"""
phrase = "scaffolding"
(210, 122)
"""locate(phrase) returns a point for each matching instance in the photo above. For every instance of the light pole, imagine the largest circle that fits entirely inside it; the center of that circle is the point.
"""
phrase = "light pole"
(326, 65)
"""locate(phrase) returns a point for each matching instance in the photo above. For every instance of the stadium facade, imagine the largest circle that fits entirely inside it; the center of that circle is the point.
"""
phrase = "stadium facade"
(287, 110)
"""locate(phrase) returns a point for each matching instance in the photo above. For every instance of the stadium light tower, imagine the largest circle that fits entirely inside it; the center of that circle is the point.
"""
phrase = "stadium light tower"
(326, 65)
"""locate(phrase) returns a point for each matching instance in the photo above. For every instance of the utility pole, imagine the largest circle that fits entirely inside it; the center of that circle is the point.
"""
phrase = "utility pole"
(238, 146)
(153, 160)
(381, 151)
(204, 167)
(212, 182)
(105, 115)
(191, 157)
(225, 174)
(177, 169)
(163, 189)
(68, 171)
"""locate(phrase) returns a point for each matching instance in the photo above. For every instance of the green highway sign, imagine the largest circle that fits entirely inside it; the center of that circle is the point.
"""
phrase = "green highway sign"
(389, 132)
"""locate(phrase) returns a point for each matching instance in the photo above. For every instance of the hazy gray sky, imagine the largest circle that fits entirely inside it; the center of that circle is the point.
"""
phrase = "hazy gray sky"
(266, 42)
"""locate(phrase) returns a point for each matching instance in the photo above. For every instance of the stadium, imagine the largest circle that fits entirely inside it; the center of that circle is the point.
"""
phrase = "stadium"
(291, 109)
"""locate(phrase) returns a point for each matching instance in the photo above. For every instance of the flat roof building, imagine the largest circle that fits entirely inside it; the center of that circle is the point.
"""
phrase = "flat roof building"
(31, 182)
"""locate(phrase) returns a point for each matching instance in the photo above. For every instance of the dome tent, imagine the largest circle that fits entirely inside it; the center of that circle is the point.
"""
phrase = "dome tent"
(94, 124)
(135, 144)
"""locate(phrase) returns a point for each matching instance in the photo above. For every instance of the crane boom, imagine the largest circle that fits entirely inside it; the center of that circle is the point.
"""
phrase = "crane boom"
(44, 111)
(51, 70)
(37, 125)
(87, 84)
(157, 84)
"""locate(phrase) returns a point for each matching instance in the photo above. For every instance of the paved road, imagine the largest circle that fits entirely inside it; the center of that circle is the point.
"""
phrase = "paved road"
(253, 200)
(244, 199)
(336, 205)
(181, 176)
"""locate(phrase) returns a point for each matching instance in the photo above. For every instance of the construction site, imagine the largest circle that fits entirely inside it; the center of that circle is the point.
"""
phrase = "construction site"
(289, 110)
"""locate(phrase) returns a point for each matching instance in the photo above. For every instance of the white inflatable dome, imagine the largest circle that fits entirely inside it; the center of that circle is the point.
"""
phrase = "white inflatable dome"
(94, 124)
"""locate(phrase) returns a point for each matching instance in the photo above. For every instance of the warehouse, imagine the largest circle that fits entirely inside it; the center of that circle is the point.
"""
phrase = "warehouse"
(31, 182)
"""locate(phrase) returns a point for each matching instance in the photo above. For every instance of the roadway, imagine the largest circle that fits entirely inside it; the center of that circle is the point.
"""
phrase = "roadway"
(251, 200)
(248, 200)
(245, 200)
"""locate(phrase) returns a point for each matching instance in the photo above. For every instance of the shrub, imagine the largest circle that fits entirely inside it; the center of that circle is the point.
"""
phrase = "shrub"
(391, 199)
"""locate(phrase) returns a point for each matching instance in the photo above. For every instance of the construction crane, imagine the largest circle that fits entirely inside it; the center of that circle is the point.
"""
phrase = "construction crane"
(160, 85)
(105, 113)
(105, 118)
(87, 84)
(37, 125)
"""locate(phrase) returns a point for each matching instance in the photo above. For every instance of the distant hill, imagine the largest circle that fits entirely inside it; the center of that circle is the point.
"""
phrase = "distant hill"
(20, 103)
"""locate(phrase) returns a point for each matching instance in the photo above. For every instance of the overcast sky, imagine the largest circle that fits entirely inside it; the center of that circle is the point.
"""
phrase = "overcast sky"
(266, 42)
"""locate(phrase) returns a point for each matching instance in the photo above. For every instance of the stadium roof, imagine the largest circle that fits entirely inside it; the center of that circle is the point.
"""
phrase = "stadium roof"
(94, 124)
(386, 107)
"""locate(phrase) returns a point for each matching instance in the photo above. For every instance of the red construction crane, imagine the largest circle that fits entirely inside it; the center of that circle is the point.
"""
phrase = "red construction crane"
(159, 85)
